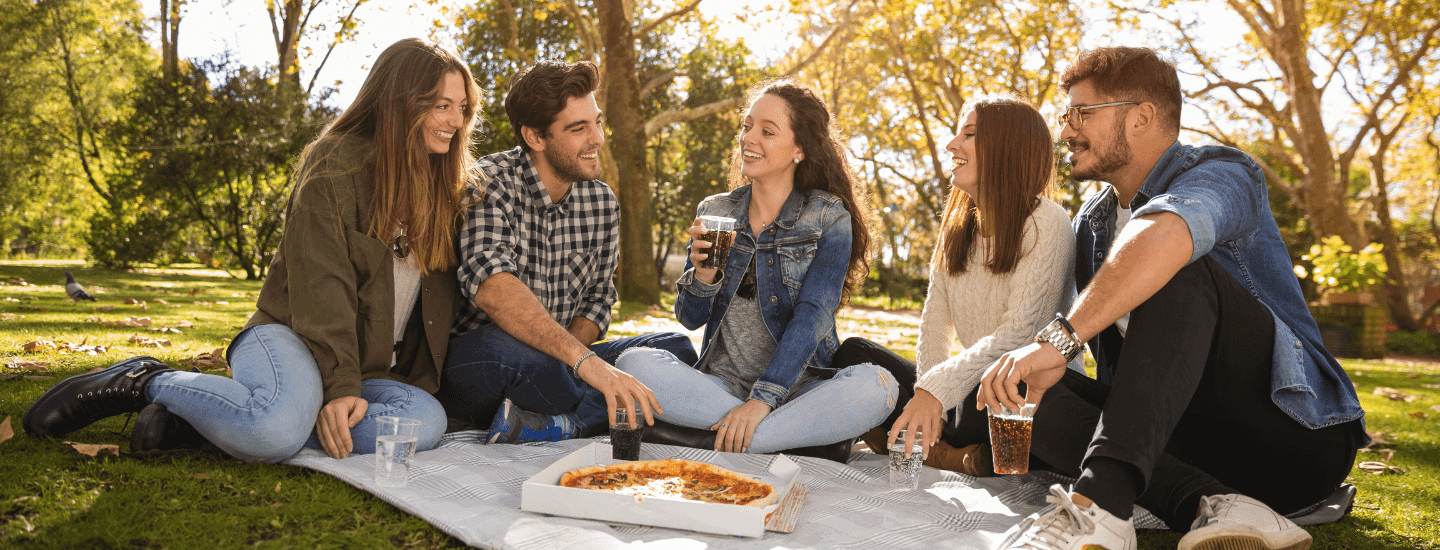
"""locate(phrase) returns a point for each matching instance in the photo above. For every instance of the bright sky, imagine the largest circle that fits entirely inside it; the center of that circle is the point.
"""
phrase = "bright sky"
(242, 26)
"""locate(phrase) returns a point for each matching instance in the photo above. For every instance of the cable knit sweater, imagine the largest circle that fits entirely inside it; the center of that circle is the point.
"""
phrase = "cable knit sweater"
(992, 314)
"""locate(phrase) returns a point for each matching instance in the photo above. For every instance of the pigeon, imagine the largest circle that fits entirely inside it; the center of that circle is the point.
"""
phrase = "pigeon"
(75, 290)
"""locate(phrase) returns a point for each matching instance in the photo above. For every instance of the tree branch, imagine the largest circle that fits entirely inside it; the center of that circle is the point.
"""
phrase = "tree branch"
(339, 34)
(673, 116)
(662, 19)
(653, 83)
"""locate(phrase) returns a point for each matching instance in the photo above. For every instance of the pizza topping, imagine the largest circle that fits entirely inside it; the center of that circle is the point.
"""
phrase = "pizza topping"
(672, 479)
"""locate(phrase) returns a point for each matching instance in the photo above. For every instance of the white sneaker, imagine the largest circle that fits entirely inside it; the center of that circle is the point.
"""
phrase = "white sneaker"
(1238, 522)
(1071, 522)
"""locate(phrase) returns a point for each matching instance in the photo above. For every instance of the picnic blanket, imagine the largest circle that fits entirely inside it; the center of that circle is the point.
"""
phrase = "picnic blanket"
(472, 492)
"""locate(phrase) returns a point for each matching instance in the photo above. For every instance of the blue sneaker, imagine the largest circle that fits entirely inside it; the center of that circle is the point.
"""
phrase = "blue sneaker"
(515, 425)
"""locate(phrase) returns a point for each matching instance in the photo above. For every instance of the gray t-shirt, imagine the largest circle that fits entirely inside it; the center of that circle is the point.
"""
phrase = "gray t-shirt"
(740, 365)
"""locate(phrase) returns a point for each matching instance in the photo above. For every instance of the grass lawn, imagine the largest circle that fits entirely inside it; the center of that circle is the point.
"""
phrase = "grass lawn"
(52, 496)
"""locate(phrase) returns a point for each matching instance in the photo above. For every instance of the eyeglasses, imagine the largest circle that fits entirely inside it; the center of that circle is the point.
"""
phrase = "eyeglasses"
(1075, 116)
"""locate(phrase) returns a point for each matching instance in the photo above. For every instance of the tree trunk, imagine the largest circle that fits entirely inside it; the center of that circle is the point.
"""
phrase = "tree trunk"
(1397, 291)
(639, 280)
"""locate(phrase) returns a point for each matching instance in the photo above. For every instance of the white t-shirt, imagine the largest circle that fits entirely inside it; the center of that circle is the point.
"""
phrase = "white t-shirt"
(407, 290)
(1122, 217)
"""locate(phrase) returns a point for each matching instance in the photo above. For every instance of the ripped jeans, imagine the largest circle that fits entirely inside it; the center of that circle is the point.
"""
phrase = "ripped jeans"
(856, 399)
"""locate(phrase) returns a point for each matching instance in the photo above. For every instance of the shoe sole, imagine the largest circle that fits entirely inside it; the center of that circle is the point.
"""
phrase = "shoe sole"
(1244, 542)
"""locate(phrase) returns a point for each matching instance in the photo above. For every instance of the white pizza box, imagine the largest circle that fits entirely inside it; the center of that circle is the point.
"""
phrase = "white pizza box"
(542, 493)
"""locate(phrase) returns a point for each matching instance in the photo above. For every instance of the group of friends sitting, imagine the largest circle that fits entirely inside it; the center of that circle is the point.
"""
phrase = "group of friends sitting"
(415, 280)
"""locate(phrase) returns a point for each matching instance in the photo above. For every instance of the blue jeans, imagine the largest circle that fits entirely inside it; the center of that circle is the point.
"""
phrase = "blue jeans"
(487, 365)
(268, 411)
(856, 399)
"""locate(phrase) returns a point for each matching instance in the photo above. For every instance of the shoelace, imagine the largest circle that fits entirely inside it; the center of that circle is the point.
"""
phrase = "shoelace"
(1210, 508)
(1060, 523)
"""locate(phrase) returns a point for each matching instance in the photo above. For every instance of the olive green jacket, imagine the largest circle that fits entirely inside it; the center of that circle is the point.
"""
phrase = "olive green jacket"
(334, 285)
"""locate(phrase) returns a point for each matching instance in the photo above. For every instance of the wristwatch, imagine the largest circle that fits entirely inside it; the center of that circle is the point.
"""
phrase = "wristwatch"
(1058, 334)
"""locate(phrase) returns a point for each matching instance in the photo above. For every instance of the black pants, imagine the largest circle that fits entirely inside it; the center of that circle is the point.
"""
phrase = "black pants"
(1189, 407)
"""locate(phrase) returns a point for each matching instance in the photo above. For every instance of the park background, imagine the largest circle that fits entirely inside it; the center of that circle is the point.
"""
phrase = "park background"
(150, 148)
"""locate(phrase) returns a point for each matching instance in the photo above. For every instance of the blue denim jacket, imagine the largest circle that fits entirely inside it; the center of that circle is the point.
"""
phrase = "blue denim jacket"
(800, 266)
(1220, 193)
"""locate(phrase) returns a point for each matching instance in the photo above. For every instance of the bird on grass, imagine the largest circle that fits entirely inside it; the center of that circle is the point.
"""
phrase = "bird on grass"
(75, 290)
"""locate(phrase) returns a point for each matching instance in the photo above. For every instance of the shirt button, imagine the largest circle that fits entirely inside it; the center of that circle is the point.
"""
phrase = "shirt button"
(1099, 255)
(769, 261)
(772, 299)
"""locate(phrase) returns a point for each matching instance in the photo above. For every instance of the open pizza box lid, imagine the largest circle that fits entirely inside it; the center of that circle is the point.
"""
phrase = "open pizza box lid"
(542, 493)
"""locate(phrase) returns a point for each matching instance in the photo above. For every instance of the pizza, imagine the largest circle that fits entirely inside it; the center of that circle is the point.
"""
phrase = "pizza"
(673, 479)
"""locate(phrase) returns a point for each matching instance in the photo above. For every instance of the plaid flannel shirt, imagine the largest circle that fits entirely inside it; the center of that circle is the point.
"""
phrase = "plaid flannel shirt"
(565, 252)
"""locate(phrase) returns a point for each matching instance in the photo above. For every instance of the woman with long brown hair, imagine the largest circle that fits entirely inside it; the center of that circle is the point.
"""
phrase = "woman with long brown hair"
(1001, 270)
(764, 381)
(353, 319)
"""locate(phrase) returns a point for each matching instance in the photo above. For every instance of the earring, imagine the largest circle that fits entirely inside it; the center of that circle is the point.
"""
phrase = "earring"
(797, 161)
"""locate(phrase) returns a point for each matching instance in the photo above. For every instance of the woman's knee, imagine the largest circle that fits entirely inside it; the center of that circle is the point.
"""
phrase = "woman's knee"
(873, 387)
(391, 398)
(644, 362)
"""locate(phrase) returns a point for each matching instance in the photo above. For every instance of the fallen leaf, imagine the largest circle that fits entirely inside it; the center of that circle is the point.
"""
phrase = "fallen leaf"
(148, 341)
(277, 486)
(106, 308)
(1422, 415)
(41, 346)
(6, 432)
(1435, 408)
(194, 291)
(1431, 386)
(204, 303)
(9, 299)
(1379, 468)
(10, 316)
(83, 348)
(17, 363)
(275, 505)
(222, 303)
(1395, 395)
(131, 301)
(1385, 454)
(93, 450)
(1412, 376)
(94, 319)
(130, 322)
(160, 301)
(184, 324)
(165, 329)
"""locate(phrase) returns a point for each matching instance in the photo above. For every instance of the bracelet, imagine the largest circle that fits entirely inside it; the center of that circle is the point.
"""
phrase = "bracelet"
(576, 367)
(1069, 329)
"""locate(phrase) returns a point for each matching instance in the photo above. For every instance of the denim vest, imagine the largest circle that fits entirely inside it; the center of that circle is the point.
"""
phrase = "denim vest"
(800, 264)
(1220, 193)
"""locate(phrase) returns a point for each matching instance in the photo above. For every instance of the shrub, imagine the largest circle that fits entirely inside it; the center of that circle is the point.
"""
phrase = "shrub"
(1413, 343)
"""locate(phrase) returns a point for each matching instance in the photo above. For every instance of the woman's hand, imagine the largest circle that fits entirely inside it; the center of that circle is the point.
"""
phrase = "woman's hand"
(925, 414)
(699, 250)
(733, 432)
(334, 423)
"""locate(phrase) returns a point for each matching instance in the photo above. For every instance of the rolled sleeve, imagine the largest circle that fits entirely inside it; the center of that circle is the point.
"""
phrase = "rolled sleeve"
(767, 393)
(1217, 201)
(485, 241)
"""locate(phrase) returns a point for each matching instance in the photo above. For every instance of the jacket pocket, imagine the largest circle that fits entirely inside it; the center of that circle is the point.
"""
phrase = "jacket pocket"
(795, 260)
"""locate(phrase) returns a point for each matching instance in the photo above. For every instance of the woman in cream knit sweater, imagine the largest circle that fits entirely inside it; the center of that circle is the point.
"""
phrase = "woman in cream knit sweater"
(1002, 269)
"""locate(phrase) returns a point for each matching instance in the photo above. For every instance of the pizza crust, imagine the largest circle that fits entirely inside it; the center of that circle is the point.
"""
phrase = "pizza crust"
(675, 478)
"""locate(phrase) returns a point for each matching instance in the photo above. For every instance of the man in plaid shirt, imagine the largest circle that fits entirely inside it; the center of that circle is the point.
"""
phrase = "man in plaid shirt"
(538, 255)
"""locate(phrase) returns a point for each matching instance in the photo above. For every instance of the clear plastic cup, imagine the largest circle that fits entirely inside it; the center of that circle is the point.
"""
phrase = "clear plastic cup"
(720, 232)
(905, 472)
(395, 439)
(1010, 438)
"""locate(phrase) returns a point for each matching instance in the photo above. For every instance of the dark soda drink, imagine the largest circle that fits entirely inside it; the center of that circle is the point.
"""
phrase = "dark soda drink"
(625, 442)
(719, 250)
(1010, 443)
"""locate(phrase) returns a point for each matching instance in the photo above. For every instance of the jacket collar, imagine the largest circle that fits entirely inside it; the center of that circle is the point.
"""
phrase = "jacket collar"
(1171, 164)
(789, 213)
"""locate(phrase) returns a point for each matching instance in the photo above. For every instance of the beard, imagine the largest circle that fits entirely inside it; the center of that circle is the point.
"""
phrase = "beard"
(1117, 156)
(568, 166)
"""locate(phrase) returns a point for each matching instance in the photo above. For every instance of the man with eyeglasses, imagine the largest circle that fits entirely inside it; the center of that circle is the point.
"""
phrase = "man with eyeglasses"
(1216, 407)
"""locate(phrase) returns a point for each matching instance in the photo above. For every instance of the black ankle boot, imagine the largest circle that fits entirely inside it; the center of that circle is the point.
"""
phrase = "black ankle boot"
(157, 429)
(78, 401)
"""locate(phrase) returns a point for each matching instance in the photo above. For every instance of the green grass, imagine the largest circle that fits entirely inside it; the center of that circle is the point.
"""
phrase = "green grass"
(54, 497)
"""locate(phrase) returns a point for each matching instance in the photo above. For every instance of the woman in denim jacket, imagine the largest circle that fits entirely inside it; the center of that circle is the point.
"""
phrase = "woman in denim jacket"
(764, 382)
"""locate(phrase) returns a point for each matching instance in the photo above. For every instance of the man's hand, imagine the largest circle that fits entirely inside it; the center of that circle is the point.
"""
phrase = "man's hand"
(1039, 365)
(924, 414)
(620, 390)
(334, 423)
(733, 433)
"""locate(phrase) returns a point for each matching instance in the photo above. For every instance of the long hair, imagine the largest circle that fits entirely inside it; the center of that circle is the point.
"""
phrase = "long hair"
(823, 168)
(413, 187)
(1015, 165)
